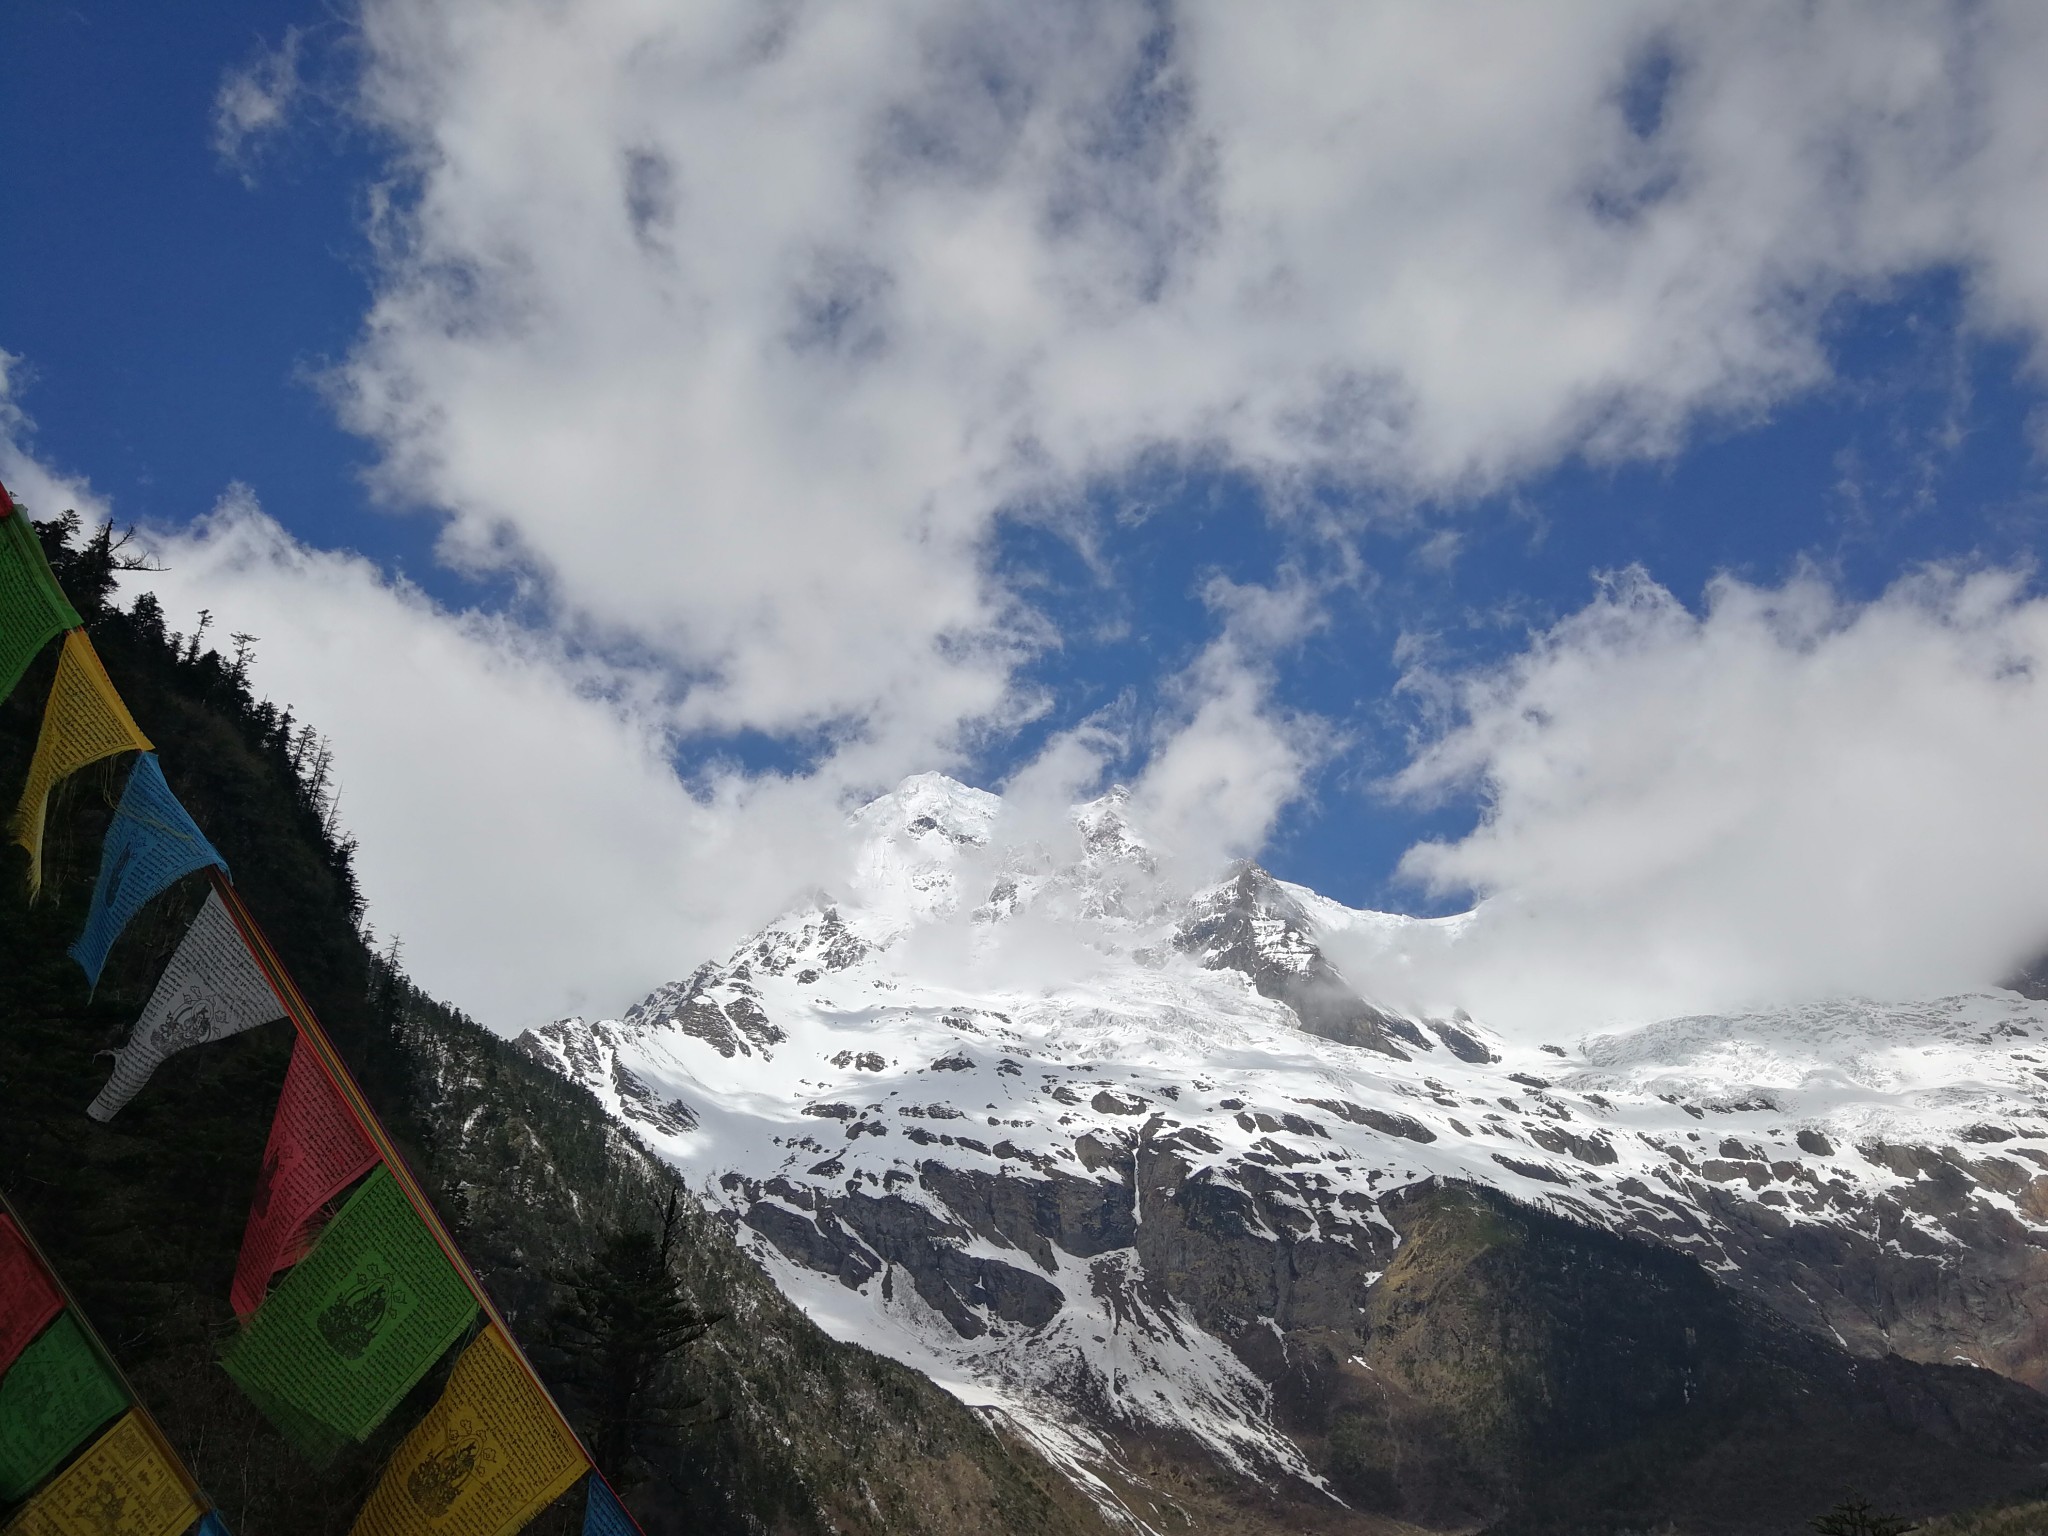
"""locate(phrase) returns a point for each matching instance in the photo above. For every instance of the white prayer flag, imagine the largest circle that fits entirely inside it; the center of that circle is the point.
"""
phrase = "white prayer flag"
(211, 989)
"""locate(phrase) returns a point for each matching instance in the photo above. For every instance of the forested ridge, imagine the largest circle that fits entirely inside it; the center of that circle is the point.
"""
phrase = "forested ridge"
(760, 1424)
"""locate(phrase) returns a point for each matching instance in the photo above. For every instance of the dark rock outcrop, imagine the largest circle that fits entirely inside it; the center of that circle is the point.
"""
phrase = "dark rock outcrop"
(853, 1236)
(739, 1026)
(1254, 927)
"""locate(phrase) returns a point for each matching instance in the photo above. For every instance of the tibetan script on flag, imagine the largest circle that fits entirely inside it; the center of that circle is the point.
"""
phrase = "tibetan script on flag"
(83, 722)
(28, 1298)
(32, 606)
(601, 1513)
(212, 988)
(316, 1150)
(487, 1458)
(123, 1486)
(151, 843)
(361, 1319)
(55, 1395)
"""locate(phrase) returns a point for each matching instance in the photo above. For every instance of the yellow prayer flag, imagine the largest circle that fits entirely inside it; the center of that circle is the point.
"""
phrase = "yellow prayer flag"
(486, 1459)
(123, 1486)
(84, 721)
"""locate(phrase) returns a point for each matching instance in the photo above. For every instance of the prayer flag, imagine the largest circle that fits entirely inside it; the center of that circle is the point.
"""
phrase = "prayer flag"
(83, 722)
(123, 1486)
(28, 1297)
(487, 1458)
(316, 1150)
(56, 1394)
(212, 988)
(212, 1525)
(151, 843)
(602, 1515)
(33, 608)
(360, 1320)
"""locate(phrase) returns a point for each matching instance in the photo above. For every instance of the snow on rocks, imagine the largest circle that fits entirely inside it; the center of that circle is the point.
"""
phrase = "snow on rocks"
(1007, 1113)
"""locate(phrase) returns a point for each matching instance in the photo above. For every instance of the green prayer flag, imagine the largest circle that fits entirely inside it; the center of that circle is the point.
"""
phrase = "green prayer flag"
(355, 1325)
(51, 1400)
(33, 607)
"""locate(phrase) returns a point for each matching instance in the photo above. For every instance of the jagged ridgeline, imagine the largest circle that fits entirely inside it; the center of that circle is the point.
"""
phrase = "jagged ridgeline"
(780, 1429)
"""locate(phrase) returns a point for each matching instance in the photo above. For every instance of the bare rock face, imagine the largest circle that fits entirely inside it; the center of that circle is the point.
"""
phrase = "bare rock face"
(717, 1006)
(1235, 1243)
(1948, 1264)
(1519, 1368)
(855, 1235)
(1255, 928)
(594, 1050)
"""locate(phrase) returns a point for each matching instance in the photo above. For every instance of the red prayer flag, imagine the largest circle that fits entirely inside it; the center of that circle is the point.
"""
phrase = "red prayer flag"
(28, 1297)
(316, 1150)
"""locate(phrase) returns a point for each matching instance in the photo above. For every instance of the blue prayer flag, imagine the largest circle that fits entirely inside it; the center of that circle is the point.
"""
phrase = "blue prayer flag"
(151, 843)
(602, 1515)
(211, 1525)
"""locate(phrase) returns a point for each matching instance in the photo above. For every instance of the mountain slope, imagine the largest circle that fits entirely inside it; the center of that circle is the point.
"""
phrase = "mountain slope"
(144, 1216)
(1133, 1168)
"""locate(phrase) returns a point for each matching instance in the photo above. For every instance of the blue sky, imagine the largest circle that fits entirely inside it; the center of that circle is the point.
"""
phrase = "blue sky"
(187, 297)
(1918, 451)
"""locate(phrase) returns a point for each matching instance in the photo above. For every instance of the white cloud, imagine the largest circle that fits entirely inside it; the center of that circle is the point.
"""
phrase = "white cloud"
(255, 102)
(521, 826)
(1788, 796)
(44, 491)
(1230, 758)
(521, 823)
(791, 302)
(741, 327)
(732, 331)
(737, 329)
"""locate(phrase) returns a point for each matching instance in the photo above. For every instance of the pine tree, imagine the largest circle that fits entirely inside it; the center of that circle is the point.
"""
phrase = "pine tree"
(624, 1318)
(1855, 1517)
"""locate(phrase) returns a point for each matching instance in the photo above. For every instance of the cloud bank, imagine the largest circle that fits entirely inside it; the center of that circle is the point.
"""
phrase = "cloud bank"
(739, 331)
(1786, 796)
(521, 826)
(734, 334)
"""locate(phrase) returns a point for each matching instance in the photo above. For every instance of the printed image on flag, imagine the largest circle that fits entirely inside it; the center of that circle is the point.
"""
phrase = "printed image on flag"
(351, 1329)
(83, 722)
(28, 1297)
(54, 1395)
(487, 1458)
(123, 1486)
(316, 1150)
(211, 989)
(33, 608)
(151, 843)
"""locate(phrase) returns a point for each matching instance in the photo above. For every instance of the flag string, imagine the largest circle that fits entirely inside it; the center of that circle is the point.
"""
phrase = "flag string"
(309, 1028)
(136, 1406)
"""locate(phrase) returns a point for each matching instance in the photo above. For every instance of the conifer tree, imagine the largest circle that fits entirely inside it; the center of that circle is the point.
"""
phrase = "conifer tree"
(1855, 1517)
(624, 1318)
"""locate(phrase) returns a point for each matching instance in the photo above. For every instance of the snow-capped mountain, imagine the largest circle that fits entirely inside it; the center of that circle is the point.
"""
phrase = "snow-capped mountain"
(1110, 1159)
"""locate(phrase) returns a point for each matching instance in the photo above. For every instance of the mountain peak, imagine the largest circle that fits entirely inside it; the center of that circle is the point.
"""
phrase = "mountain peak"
(1027, 1119)
(926, 802)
